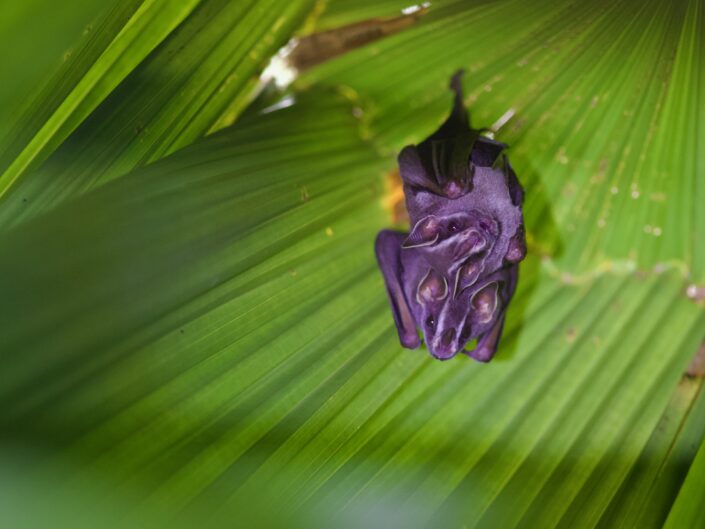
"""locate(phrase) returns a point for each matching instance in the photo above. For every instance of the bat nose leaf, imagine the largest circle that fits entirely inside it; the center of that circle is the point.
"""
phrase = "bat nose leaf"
(447, 337)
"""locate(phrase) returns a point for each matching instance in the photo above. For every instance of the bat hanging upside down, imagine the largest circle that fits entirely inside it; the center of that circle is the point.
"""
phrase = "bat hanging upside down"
(456, 272)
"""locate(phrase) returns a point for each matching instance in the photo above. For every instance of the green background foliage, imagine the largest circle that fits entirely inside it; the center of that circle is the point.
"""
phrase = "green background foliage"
(193, 329)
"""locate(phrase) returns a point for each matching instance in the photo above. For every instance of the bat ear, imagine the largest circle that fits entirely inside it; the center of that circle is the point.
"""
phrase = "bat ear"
(412, 170)
(425, 233)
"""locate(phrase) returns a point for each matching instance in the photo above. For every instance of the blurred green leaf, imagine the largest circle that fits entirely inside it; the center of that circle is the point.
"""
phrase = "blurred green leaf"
(687, 510)
(170, 99)
(182, 228)
(647, 495)
(196, 329)
(338, 13)
(40, 46)
(110, 51)
(219, 327)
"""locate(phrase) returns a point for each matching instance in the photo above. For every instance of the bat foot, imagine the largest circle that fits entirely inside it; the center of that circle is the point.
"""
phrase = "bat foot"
(481, 354)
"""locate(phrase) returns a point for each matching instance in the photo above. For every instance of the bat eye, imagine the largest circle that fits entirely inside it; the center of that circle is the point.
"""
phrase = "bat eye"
(488, 227)
(453, 227)
(431, 322)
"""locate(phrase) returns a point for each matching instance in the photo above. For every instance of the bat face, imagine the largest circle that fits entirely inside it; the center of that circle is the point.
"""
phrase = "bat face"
(453, 275)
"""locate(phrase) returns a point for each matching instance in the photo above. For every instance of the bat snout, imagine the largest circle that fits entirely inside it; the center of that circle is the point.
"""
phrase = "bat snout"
(445, 345)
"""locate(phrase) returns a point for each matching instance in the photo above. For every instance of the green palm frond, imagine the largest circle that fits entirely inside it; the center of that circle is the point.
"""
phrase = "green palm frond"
(600, 102)
(109, 49)
(193, 328)
(687, 510)
(168, 100)
(648, 493)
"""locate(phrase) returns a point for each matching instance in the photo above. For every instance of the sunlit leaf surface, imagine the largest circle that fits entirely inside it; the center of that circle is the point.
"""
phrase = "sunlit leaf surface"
(343, 12)
(600, 102)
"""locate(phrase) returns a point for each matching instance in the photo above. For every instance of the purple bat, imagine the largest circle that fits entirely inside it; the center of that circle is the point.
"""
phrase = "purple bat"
(454, 274)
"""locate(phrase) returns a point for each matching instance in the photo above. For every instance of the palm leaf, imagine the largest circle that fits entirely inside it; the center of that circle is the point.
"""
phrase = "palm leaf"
(647, 495)
(603, 115)
(108, 51)
(172, 97)
(687, 510)
(195, 329)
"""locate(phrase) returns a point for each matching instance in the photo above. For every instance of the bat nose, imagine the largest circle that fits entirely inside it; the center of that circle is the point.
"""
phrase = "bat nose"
(447, 337)
(445, 346)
